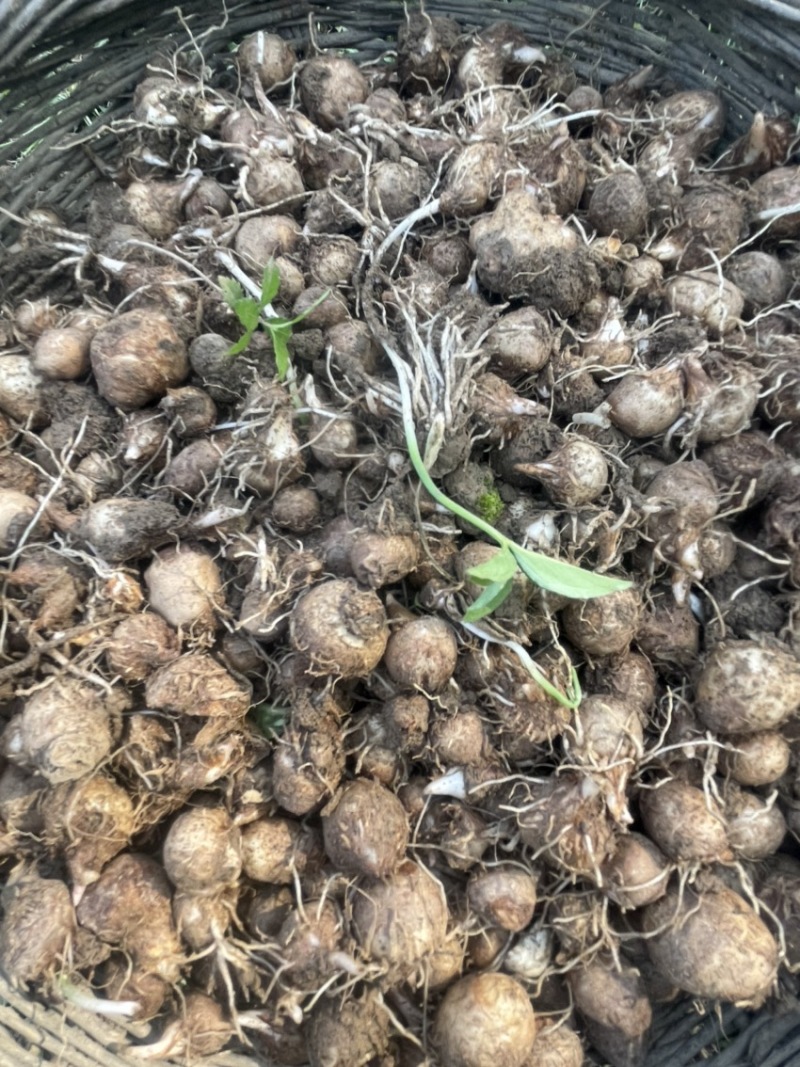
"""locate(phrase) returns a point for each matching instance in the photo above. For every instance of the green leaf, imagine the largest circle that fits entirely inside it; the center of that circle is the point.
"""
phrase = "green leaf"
(500, 568)
(565, 578)
(269, 719)
(232, 292)
(248, 313)
(280, 336)
(241, 344)
(564, 699)
(270, 283)
(489, 600)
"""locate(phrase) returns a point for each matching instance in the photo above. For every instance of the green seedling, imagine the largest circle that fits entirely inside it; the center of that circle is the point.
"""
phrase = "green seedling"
(269, 719)
(253, 313)
(497, 574)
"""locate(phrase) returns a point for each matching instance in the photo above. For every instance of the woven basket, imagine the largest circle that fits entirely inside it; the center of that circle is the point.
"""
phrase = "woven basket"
(67, 68)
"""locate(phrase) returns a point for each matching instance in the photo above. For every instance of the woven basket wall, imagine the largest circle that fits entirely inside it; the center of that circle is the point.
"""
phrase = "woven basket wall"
(67, 67)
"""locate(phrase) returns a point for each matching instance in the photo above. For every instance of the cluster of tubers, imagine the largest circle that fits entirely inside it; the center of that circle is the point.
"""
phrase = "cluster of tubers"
(261, 785)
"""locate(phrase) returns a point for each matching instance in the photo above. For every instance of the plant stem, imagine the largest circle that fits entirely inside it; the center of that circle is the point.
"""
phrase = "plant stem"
(418, 463)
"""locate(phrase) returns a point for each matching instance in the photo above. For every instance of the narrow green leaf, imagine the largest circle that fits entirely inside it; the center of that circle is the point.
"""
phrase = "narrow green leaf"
(564, 699)
(231, 290)
(489, 600)
(565, 578)
(280, 336)
(500, 568)
(270, 283)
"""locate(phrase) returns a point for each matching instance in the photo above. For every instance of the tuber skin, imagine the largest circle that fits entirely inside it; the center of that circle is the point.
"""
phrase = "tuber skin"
(141, 644)
(91, 820)
(340, 628)
(745, 687)
(614, 1007)
(400, 920)
(504, 896)
(605, 626)
(136, 357)
(330, 86)
(37, 928)
(309, 940)
(365, 829)
(130, 907)
(68, 729)
(422, 654)
(120, 529)
(185, 588)
(273, 850)
(686, 824)
(712, 944)
(203, 851)
(349, 1034)
(485, 1020)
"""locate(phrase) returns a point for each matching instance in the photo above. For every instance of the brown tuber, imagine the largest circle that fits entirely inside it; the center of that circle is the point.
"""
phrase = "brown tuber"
(266, 57)
(130, 908)
(618, 205)
(352, 1033)
(712, 944)
(136, 357)
(615, 1008)
(485, 1020)
(185, 588)
(756, 759)
(196, 685)
(272, 850)
(365, 829)
(685, 823)
(504, 896)
(203, 851)
(91, 821)
(402, 919)
(62, 354)
(745, 687)
(340, 628)
(637, 873)
(329, 86)
(422, 654)
(37, 928)
(382, 559)
(122, 528)
(68, 728)
(17, 514)
(140, 645)
(524, 255)
(604, 626)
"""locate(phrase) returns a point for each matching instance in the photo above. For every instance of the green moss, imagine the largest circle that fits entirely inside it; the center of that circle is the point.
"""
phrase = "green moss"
(490, 506)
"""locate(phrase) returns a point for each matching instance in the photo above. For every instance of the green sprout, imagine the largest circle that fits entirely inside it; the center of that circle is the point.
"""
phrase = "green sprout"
(497, 574)
(490, 505)
(252, 313)
(269, 719)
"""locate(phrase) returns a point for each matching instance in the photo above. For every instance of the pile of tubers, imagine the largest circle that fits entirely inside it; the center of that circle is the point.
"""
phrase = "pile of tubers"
(262, 785)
